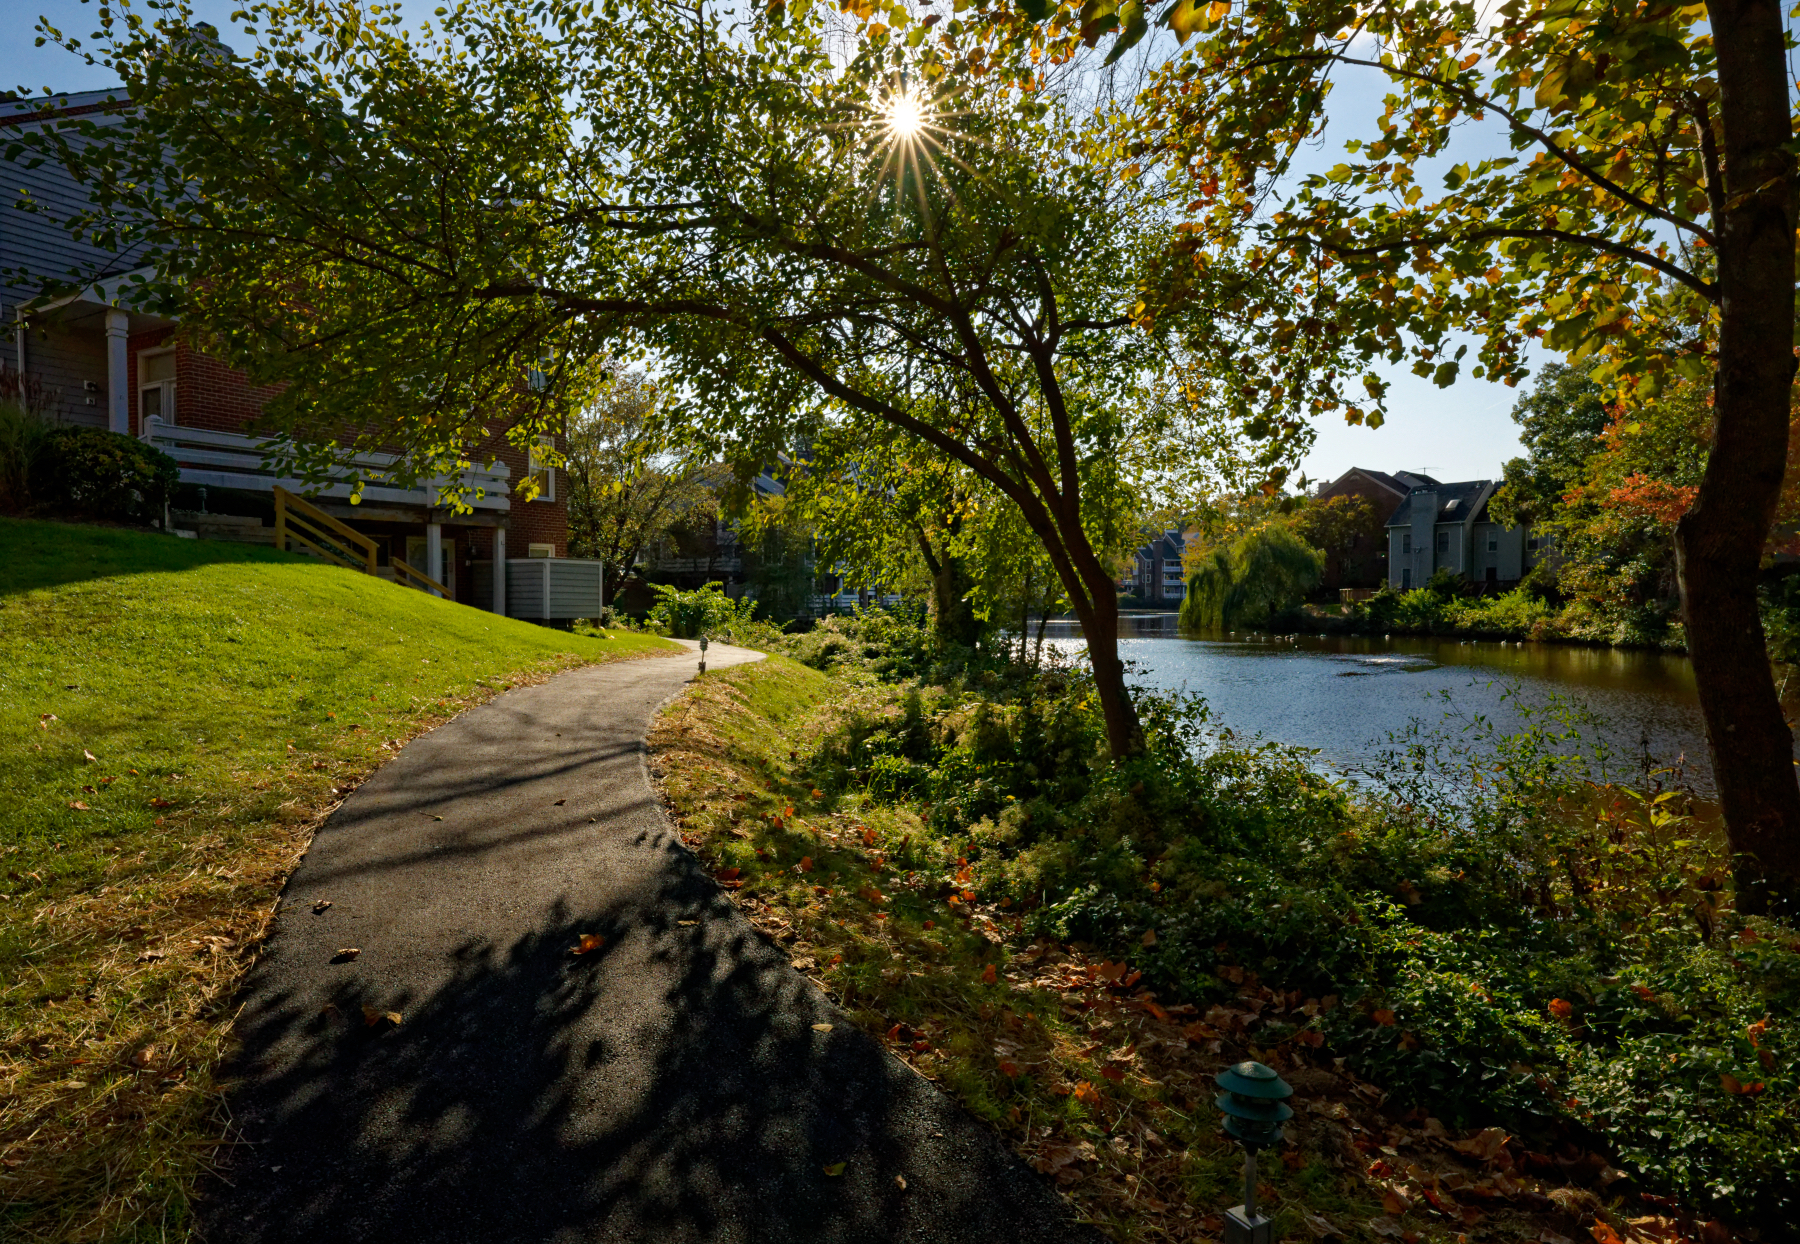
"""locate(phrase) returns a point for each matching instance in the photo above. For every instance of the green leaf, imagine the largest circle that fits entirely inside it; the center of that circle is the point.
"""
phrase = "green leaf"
(1135, 27)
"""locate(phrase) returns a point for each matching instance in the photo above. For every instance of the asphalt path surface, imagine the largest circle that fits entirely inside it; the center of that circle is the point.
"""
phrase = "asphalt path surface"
(673, 1085)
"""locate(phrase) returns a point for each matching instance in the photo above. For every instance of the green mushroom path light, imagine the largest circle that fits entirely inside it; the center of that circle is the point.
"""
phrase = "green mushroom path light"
(1253, 1103)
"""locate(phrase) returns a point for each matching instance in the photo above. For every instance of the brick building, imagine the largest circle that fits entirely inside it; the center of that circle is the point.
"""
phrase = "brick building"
(93, 358)
(1363, 562)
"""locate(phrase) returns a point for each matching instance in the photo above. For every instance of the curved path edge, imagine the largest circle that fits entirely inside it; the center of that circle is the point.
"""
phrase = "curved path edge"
(671, 1085)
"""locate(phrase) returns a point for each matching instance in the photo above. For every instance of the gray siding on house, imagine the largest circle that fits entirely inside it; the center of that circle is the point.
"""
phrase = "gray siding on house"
(39, 240)
(573, 588)
(65, 362)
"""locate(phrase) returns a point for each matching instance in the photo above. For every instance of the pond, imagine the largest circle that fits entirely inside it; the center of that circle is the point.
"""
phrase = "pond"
(1342, 695)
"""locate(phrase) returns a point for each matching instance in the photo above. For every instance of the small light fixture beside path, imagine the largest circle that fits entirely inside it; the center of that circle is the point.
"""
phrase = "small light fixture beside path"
(1253, 1103)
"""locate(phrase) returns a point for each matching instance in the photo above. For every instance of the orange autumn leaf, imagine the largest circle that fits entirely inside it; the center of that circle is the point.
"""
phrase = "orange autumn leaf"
(817, 793)
(1009, 1068)
(1086, 1092)
(728, 874)
(1113, 1072)
(1560, 1009)
(1384, 1018)
(868, 836)
(806, 863)
(589, 942)
(1604, 1234)
(988, 975)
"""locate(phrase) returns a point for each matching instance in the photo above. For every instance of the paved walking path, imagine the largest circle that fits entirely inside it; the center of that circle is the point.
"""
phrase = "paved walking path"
(671, 1086)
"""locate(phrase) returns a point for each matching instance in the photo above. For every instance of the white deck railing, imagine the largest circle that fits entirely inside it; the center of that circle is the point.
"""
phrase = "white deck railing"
(234, 460)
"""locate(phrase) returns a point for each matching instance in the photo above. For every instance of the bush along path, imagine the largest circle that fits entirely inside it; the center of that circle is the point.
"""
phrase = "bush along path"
(939, 850)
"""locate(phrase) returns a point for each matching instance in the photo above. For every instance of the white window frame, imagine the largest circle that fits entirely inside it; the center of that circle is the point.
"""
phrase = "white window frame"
(548, 491)
(540, 550)
(170, 412)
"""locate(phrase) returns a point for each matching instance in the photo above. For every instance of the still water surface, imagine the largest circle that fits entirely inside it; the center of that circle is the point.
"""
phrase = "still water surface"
(1342, 695)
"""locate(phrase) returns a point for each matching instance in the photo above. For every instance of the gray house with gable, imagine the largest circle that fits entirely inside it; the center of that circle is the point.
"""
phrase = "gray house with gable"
(1448, 526)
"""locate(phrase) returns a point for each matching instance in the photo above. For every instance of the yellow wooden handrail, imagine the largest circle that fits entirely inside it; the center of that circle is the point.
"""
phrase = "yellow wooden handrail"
(403, 570)
(291, 509)
(295, 511)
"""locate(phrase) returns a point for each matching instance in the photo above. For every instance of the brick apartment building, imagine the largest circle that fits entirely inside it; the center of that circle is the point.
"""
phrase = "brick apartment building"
(96, 360)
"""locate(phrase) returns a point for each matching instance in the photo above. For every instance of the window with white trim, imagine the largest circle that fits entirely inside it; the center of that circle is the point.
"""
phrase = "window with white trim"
(542, 471)
(156, 385)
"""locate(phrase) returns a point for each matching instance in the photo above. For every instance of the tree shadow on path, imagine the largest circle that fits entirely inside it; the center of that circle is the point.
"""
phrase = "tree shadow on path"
(670, 1086)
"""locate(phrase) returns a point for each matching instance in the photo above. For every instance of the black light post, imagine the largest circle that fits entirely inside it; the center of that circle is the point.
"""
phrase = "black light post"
(1252, 1102)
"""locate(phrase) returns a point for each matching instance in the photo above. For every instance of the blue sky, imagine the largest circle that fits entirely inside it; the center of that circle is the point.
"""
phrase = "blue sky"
(1463, 432)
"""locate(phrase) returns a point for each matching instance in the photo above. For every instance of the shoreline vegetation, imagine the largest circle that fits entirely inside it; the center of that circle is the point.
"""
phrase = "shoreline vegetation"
(1513, 1001)
(176, 718)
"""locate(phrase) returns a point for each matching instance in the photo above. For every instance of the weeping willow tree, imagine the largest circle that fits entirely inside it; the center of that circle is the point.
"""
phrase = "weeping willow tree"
(1264, 571)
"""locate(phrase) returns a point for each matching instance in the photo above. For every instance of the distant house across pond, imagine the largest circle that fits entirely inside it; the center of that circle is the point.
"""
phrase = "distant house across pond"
(1449, 526)
(1155, 577)
(93, 357)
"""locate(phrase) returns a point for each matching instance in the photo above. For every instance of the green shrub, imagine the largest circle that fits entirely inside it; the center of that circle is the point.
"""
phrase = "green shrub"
(93, 473)
(1507, 933)
(24, 438)
(702, 611)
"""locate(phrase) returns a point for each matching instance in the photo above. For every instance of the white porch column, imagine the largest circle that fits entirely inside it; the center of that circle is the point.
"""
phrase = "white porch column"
(118, 372)
(434, 552)
(500, 571)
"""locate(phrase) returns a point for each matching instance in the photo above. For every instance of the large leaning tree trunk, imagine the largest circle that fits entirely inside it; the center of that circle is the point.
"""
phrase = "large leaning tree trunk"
(1719, 542)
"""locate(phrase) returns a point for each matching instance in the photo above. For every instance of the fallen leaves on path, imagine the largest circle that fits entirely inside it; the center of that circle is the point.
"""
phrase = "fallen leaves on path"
(588, 943)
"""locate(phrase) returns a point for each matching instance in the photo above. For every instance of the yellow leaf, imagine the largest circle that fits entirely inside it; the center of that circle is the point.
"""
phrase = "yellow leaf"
(835, 1169)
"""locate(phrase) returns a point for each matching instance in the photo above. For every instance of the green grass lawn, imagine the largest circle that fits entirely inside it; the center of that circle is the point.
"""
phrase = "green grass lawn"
(175, 717)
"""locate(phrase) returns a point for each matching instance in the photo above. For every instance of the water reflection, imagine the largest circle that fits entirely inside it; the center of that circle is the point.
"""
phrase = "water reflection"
(1341, 695)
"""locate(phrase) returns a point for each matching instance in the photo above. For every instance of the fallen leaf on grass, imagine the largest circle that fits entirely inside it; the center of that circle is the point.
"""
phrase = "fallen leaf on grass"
(1086, 1092)
(160, 802)
(1485, 1144)
(1384, 1017)
(806, 864)
(835, 1169)
(152, 956)
(142, 1058)
(372, 1017)
(89, 756)
(1009, 1068)
(1320, 1227)
(988, 976)
(321, 905)
(589, 943)
(821, 1027)
(346, 954)
(77, 805)
(1604, 1234)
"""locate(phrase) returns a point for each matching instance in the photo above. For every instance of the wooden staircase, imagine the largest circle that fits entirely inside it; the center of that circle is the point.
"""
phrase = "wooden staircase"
(299, 522)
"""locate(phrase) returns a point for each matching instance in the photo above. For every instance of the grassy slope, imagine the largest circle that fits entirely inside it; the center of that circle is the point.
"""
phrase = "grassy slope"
(228, 696)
